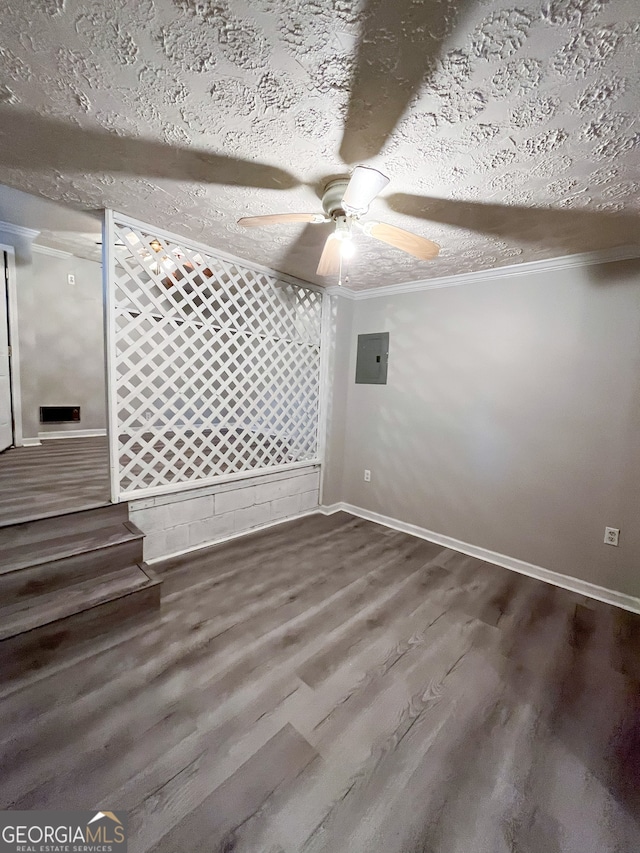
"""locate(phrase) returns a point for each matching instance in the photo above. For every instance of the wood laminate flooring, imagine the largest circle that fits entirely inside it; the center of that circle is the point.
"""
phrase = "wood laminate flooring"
(332, 686)
(59, 476)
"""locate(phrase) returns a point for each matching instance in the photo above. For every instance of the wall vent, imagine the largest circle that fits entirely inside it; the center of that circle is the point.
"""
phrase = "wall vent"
(59, 414)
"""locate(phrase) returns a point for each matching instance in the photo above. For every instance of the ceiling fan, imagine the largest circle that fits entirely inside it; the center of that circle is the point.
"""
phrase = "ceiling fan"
(397, 52)
(344, 203)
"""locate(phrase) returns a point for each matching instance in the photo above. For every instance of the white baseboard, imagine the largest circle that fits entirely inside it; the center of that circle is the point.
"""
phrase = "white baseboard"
(591, 590)
(237, 535)
(72, 433)
(30, 442)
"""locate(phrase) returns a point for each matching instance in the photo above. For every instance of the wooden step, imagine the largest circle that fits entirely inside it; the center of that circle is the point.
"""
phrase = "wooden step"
(68, 579)
(119, 548)
(45, 555)
(87, 544)
(39, 610)
(18, 532)
(47, 506)
(43, 629)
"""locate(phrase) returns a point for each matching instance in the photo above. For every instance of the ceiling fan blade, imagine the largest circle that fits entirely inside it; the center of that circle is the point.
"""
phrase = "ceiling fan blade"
(406, 241)
(557, 228)
(278, 218)
(307, 243)
(330, 259)
(399, 43)
(365, 184)
(35, 143)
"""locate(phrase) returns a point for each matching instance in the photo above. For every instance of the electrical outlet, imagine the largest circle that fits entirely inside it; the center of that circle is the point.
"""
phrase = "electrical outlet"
(611, 535)
(367, 475)
(71, 278)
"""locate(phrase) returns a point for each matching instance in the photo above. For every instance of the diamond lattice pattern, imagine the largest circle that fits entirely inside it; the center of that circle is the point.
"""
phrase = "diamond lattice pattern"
(217, 367)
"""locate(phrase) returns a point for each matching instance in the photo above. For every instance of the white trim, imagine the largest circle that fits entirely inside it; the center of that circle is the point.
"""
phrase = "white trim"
(108, 288)
(19, 230)
(216, 253)
(325, 390)
(72, 433)
(14, 361)
(584, 259)
(345, 292)
(330, 509)
(193, 485)
(591, 590)
(240, 533)
(220, 488)
(48, 250)
(31, 442)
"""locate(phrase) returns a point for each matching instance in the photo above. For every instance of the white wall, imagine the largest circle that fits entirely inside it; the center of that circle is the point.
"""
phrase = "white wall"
(61, 341)
(511, 418)
(187, 520)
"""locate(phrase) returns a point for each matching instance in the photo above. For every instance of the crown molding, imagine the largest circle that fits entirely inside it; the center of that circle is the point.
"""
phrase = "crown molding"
(345, 293)
(18, 230)
(48, 250)
(584, 259)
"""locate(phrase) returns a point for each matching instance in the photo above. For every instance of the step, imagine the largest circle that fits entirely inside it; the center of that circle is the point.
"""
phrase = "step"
(54, 605)
(27, 572)
(38, 529)
(38, 552)
(48, 627)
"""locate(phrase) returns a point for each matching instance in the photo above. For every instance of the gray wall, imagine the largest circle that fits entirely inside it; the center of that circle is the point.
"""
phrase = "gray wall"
(339, 377)
(61, 338)
(511, 418)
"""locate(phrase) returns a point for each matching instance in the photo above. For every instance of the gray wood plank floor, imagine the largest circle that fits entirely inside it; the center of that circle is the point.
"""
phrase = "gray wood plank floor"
(61, 475)
(331, 686)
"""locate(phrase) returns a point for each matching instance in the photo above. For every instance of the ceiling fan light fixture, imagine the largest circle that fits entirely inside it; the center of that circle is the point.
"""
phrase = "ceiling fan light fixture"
(347, 247)
(364, 185)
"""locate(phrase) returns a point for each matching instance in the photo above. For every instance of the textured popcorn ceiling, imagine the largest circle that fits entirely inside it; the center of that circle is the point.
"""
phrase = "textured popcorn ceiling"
(191, 113)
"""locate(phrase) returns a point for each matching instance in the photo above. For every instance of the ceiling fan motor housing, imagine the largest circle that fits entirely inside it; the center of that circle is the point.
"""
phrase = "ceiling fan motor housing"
(332, 198)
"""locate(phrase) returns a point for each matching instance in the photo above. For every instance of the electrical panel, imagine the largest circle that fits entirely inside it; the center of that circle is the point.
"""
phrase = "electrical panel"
(372, 359)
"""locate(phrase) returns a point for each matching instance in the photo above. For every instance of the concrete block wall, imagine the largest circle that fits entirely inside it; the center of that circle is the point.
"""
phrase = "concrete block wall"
(199, 517)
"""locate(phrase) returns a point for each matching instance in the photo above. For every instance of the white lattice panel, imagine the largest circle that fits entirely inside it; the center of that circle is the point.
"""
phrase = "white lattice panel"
(214, 367)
